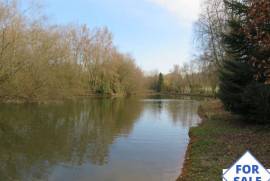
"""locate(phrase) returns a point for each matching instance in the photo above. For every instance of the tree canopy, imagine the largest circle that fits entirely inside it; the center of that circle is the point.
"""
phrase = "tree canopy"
(41, 61)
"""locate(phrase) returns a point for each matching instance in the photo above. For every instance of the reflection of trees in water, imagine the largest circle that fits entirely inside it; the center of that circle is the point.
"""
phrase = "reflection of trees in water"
(180, 111)
(184, 111)
(34, 138)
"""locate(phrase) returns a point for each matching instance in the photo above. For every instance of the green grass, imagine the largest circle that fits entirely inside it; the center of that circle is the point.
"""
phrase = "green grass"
(219, 141)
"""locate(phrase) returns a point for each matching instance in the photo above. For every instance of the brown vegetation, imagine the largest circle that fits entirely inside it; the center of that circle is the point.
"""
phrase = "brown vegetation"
(194, 78)
(39, 61)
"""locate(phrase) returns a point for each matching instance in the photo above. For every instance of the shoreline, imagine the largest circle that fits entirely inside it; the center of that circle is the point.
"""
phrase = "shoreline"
(105, 96)
(169, 94)
(186, 164)
(219, 141)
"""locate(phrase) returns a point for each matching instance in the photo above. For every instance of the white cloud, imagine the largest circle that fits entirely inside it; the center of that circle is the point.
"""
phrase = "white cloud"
(185, 10)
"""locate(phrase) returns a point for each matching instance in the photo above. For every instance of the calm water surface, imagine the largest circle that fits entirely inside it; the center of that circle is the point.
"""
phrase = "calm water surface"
(96, 140)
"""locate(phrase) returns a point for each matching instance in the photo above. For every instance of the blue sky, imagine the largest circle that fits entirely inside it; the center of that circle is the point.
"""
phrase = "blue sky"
(157, 33)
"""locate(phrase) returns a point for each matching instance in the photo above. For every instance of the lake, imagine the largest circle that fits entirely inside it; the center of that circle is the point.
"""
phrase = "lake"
(96, 140)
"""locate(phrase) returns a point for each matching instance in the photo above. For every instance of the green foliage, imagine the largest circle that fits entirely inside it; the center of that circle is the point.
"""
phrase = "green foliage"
(234, 77)
(160, 84)
(240, 90)
(235, 73)
(257, 99)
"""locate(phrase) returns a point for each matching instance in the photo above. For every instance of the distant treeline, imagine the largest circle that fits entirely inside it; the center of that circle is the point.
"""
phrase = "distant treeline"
(194, 78)
(40, 61)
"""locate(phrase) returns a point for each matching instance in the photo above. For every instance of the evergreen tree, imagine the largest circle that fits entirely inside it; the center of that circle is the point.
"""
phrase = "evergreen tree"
(235, 74)
(257, 99)
(234, 77)
(160, 84)
(241, 89)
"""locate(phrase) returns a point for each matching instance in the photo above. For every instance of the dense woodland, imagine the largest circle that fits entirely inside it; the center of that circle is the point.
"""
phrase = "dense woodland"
(234, 37)
(40, 61)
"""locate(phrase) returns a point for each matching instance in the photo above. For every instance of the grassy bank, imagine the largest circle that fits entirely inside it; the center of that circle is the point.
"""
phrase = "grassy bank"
(219, 141)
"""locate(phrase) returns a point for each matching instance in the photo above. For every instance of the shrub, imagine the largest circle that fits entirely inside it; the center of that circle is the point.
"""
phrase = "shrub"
(256, 98)
(234, 77)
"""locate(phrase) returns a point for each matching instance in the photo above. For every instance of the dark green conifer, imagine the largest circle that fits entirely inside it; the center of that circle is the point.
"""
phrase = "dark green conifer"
(240, 91)
(160, 84)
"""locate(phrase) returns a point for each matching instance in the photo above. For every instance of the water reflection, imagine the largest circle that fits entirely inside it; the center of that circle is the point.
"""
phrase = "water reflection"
(181, 111)
(33, 138)
(98, 139)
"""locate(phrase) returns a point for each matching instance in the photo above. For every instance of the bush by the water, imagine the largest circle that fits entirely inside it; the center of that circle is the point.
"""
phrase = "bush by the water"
(257, 98)
(234, 78)
(242, 95)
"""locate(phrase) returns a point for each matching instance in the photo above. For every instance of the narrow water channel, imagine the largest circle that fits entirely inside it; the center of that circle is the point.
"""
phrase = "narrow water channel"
(96, 140)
